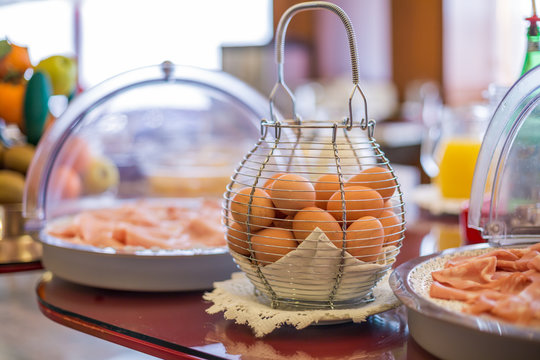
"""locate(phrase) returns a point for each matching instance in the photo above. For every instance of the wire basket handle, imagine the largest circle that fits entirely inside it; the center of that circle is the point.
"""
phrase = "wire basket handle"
(280, 50)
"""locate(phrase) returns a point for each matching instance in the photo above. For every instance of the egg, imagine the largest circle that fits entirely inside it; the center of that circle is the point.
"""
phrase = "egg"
(376, 178)
(291, 193)
(365, 238)
(237, 239)
(389, 205)
(392, 227)
(271, 244)
(268, 183)
(359, 201)
(262, 208)
(283, 221)
(325, 186)
(307, 219)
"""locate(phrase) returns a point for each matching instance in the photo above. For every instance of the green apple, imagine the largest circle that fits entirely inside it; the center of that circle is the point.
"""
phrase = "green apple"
(62, 71)
(101, 175)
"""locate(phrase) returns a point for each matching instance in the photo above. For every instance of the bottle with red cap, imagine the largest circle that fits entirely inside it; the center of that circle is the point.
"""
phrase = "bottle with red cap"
(532, 57)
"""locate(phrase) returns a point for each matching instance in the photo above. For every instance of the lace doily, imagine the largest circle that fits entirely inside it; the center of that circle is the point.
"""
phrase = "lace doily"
(236, 298)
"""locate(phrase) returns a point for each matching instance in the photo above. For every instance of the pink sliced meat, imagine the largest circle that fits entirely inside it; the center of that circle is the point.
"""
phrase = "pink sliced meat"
(483, 303)
(68, 230)
(147, 225)
(467, 274)
(513, 283)
(504, 283)
(531, 295)
(440, 291)
(92, 227)
(514, 309)
(534, 263)
(501, 254)
(147, 237)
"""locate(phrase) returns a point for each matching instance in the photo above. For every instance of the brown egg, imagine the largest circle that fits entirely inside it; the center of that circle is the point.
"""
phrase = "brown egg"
(272, 244)
(262, 209)
(268, 183)
(377, 178)
(283, 221)
(291, 193)
(388, 205)
(359, 201)
(307, 219)
(237, 239)
(325, 186)
(392, 226)
(365, 238)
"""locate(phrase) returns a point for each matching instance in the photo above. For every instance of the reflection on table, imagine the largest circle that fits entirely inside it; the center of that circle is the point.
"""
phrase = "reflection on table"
(19, 249)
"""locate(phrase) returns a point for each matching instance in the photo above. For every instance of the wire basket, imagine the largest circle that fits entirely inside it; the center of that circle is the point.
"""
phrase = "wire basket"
(314, 221)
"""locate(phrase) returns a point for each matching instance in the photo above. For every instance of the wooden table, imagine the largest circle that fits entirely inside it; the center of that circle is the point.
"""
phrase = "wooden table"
(176, 326)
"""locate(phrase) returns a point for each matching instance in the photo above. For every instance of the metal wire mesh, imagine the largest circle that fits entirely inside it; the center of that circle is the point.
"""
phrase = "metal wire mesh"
(343, 186)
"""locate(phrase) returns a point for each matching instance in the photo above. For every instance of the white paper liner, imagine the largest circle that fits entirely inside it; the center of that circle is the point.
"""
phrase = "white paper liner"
(309, 272)
(237, 300)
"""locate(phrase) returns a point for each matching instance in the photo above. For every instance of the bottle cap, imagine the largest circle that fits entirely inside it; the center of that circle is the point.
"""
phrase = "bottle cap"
(533, 28)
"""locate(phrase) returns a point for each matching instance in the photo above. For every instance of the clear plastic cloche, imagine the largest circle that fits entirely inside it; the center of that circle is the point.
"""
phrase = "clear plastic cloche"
(505, 195)
(159, 131)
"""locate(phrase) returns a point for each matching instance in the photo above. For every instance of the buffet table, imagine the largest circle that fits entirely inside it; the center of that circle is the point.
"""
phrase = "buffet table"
(175, 325)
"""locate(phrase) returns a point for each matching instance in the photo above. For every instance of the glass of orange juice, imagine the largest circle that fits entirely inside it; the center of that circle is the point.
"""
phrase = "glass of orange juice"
(456, 167)
(450, 148)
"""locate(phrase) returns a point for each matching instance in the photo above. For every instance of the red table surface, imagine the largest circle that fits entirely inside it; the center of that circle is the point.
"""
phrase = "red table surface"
(20, 266)
(176, 325)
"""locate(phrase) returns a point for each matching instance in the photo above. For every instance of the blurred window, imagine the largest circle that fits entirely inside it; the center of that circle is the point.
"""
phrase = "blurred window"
(45, 27)
(118, 35)
(484, 42)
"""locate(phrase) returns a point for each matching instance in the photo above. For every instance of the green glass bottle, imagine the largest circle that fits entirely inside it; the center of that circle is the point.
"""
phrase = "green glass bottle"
(532, 57)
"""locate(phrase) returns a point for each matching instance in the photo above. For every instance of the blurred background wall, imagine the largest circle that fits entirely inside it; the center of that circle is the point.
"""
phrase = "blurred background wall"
(450, 54)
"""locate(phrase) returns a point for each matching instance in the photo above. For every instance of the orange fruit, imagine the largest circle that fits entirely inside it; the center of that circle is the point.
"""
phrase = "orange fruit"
(11, 103)
(15, 62)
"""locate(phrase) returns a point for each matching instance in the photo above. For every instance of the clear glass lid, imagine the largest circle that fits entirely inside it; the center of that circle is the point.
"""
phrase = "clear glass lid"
(159, 131)
(505, 194)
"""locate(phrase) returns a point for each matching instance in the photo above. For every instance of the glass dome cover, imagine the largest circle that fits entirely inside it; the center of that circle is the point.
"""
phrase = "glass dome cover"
(167, 129)
(505, 194)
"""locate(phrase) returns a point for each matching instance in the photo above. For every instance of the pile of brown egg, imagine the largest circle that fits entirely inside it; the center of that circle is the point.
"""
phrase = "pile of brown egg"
(271, 220)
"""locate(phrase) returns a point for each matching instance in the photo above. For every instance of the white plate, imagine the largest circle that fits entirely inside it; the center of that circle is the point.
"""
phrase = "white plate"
(135, 269)
(448, 333)
(167, 270)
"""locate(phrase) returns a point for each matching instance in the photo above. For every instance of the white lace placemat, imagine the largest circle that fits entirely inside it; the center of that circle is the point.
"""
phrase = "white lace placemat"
(236, 298)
